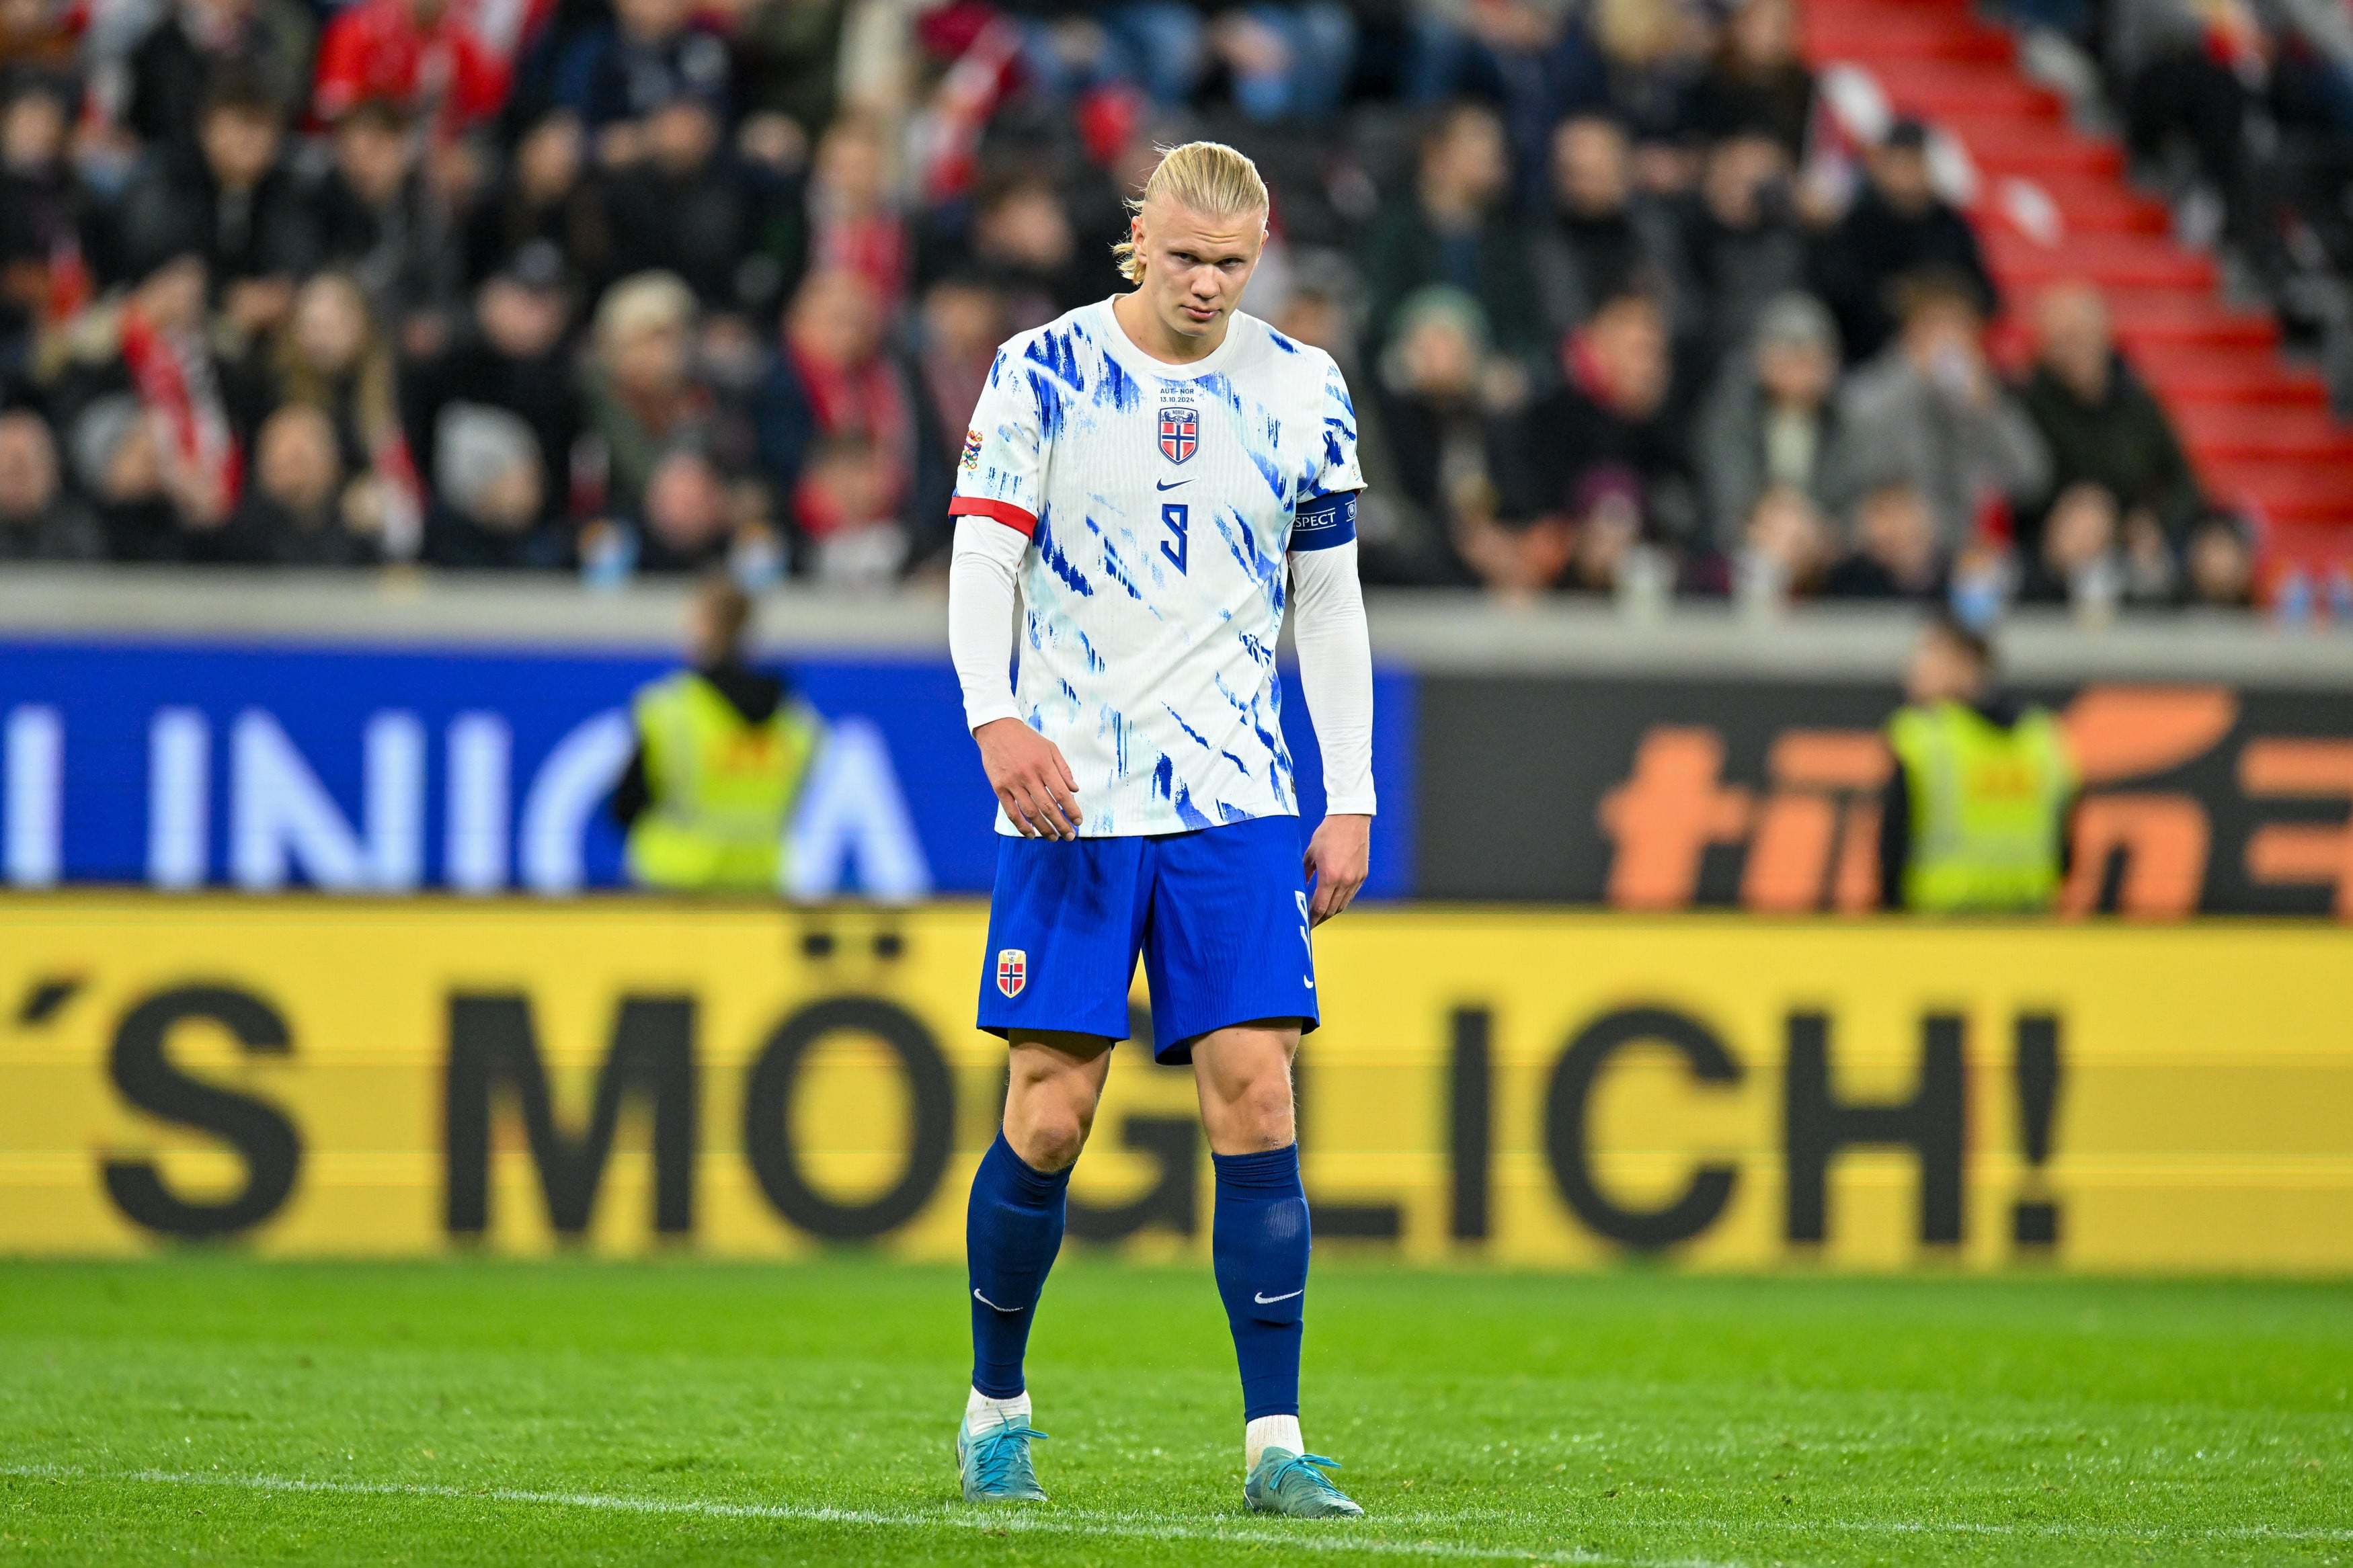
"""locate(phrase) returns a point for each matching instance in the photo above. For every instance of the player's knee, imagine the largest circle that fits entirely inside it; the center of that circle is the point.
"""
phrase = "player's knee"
(1261, 1114)
(1052, 1137)
(1047, 1123)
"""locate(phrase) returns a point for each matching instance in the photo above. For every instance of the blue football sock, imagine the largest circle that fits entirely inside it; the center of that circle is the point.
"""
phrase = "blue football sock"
(1012, 1230)
(1261, 1247)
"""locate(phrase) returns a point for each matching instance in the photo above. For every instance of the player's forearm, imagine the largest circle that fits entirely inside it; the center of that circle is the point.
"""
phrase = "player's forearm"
(982, 573)
(1336, 669)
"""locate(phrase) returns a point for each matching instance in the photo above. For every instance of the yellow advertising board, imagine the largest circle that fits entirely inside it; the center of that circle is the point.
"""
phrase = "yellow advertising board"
(316, 1076)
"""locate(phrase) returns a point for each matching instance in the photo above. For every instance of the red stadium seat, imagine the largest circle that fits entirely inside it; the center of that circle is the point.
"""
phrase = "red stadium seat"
(2258, 430)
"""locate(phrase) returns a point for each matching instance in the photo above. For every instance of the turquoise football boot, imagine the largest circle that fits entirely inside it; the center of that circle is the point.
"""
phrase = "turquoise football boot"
(994, 1462)
(1293, 1486)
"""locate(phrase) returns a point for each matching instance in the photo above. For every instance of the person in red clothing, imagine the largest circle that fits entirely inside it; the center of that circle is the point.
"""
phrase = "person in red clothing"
(419, 54)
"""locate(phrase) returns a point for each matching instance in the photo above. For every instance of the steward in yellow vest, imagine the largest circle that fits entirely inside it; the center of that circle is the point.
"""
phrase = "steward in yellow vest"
(1975, 819)
(723, 751)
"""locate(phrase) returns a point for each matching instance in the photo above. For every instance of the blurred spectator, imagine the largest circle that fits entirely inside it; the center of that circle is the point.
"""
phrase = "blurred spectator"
(329, 356)
(1445, 398)
(786, 59)
(1023, 243)
(1788, 538)
(791, 304)
(231, 200)
(677, 206)
(688, 515)
(487, 471)
(1605, 239)
(40, 210)
(1757, 85)
(1401, 539)
(1070, 46)
(1532, 56)
(1896, 227)
(1929, 410)
(1654, 51)
(1285, 61)
(294, 514)
(379, 220)
(513, 357)
(853, 217)
(1741, 242)
(419, 55)
(2219, 564)
(35, 38)
(640, 395)
(197, 47)
(963, 322)
(38, 521)
(1624, 408)
(543, 198)
(851, 483)
(115, 465)
(1454, 226)
(835, 389)
(651, 57)
(151, 442)
(1894, 553)
(2186, 68)
(1608, 529)
(2084, 555)
(2105, 430)
(1772, 424)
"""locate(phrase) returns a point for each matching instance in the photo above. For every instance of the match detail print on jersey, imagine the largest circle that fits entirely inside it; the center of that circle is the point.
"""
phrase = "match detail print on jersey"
(1161, 502)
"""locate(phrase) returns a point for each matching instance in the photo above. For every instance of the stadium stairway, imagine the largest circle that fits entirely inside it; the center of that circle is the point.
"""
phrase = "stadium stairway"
(2050, 202)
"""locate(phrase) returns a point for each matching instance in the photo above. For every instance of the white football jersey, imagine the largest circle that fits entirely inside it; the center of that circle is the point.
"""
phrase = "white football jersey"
(1159, 500)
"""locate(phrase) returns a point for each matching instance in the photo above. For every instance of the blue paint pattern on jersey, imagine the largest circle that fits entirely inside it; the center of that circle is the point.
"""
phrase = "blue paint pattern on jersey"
(1163, 694)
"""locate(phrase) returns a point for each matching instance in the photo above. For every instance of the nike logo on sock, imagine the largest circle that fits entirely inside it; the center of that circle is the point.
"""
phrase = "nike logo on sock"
(1262, 1298)
(993, 1306)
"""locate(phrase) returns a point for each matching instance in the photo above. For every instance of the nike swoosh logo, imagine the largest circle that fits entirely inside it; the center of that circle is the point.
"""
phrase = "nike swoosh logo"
(1265, 1300)
(1168, 484)
(993, 1306)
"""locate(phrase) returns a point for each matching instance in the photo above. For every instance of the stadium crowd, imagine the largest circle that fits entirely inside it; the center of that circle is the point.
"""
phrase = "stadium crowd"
(609, 285)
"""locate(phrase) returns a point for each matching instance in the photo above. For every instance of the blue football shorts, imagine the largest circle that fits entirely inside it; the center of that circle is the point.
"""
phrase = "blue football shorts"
(1219, 915)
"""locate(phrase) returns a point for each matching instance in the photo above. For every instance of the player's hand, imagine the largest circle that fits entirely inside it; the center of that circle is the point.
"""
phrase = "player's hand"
(1032, 781)
(1339, 858)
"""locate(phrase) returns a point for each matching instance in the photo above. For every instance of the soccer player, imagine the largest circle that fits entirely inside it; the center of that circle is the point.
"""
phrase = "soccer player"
(1156, 477)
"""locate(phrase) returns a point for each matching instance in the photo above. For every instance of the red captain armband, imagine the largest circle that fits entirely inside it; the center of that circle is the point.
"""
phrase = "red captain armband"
(1022, 522)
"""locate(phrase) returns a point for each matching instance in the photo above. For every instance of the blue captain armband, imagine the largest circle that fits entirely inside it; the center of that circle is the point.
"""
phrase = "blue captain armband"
(1323, 521)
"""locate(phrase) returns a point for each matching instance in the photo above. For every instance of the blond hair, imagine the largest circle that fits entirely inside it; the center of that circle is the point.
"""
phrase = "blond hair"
(1206, 177)
(643, 302)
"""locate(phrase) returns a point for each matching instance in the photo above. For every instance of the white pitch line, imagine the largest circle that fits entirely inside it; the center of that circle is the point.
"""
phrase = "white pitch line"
(1138, 1527)
(1061, 1523)
(2055, 1530)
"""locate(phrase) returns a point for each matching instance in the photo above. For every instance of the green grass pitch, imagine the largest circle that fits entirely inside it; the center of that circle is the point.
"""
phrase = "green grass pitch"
(212, 1408)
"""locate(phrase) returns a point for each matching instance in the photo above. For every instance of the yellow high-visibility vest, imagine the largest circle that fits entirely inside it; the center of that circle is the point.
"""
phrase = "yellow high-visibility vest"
(722, 789)
(1988, 808)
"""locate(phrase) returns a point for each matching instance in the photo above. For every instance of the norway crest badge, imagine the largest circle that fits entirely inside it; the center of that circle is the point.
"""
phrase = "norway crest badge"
(1180, 432)
(1012, 971)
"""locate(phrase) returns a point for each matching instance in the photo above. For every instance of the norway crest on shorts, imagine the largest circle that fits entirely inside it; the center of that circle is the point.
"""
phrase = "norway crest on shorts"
(1012, 971)
(1180, 432)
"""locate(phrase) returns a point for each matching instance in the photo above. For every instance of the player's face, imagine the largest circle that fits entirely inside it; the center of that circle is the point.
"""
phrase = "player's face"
(1195, 267)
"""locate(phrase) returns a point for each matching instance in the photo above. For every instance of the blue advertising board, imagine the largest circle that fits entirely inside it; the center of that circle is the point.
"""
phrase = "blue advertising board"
(482, 770)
